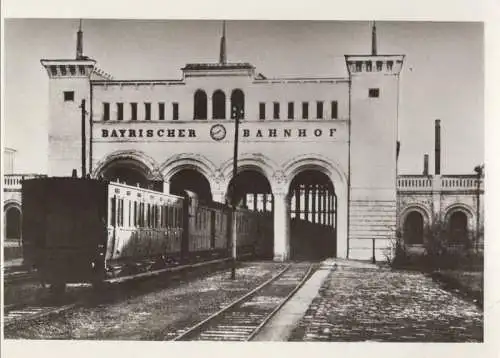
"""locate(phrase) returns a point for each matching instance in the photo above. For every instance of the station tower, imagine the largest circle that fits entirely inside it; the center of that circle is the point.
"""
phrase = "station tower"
(373, 135)
(70, 84)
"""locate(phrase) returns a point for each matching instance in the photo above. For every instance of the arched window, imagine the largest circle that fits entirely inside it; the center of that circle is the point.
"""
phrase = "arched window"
(414, 229)
(200, 105)
(458, 228)
(219, 105)
(237, 103)
(13, 223)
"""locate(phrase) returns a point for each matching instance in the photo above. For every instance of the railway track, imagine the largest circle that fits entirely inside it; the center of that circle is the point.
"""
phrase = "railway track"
(17, 316)
(19, 277)
(20, 313)
(245, 317)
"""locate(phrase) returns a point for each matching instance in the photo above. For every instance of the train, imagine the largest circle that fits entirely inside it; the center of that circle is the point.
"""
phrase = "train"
(83, 230)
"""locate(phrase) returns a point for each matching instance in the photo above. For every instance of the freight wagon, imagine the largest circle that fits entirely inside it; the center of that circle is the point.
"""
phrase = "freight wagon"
(86, 230)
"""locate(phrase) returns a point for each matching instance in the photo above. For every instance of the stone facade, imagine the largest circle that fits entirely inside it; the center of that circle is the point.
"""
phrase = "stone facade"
(341, 128)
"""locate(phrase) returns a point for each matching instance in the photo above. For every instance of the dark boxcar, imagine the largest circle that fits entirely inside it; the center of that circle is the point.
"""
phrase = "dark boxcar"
(65, 228)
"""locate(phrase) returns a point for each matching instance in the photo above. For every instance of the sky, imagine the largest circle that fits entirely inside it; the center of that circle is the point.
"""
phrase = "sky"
(442, 77)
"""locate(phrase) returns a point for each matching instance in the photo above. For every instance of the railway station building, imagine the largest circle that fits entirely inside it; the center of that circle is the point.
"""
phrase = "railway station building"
(318, 154)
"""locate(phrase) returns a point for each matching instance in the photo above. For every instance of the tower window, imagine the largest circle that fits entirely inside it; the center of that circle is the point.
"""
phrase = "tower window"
(219, 105)
(319, 109)
(373, 93)
(290, 110)
(358, 66)
(389, 65)
(262, 111)
(119, 111)
(161, 111)
(379, 65)
(175, 111)
(305, 110)
(368, 66)
(147, 111)
(81, 68)
(53, 70)
(237, 104)
(200, 105)
(276, 110)
(133, 111)
(335, 110)
(63, 70)
(72, 70)
(69, 96)
(105, 111)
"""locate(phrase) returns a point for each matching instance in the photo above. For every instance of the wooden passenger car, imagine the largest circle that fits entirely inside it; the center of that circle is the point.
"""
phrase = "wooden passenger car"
(87, 230)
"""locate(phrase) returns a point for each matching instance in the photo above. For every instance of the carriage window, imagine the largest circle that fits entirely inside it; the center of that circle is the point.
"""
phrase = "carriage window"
(129, 213)
(122, 212)
(118, 212)
(112, 218)
(148, 217)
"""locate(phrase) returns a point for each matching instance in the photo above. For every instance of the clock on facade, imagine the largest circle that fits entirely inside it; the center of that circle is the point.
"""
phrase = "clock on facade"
(218, 132)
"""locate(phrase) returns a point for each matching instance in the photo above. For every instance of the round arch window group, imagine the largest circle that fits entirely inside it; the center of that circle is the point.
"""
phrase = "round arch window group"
(456, 228)
(200, 104)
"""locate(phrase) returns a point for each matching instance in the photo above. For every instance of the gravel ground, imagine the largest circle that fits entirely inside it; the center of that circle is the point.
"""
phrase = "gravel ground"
(357, 304)
(159, 315)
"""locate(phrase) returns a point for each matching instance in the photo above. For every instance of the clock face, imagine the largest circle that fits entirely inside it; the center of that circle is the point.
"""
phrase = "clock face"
(218, 132)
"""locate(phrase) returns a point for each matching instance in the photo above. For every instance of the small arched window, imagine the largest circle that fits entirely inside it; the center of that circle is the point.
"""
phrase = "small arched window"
(13, 223)
(219, 105)
(200, 105)
(458, 231)
(237, 104)
(414, 229)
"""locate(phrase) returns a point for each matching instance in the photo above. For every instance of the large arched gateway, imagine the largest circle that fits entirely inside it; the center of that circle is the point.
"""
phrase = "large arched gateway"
(313, 216)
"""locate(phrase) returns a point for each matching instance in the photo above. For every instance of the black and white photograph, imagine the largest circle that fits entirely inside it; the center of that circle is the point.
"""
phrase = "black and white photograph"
(243, 180)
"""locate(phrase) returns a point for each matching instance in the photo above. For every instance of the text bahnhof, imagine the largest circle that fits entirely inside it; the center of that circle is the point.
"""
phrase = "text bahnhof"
(193, 133)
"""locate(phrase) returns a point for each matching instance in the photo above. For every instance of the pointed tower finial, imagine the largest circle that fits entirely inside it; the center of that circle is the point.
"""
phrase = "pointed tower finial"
(374, 39)
(79, 42)
(222, 54)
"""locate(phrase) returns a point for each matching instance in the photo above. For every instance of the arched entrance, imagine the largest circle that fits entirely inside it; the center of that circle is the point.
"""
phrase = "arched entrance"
(313, 207)
(414, 229)
(132, 172)
(458, 230)
(12, 223)
(192, 180)
(251, 190)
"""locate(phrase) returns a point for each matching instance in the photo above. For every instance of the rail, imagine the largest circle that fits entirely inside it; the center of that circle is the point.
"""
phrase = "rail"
(14, 181)
(411, 183)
